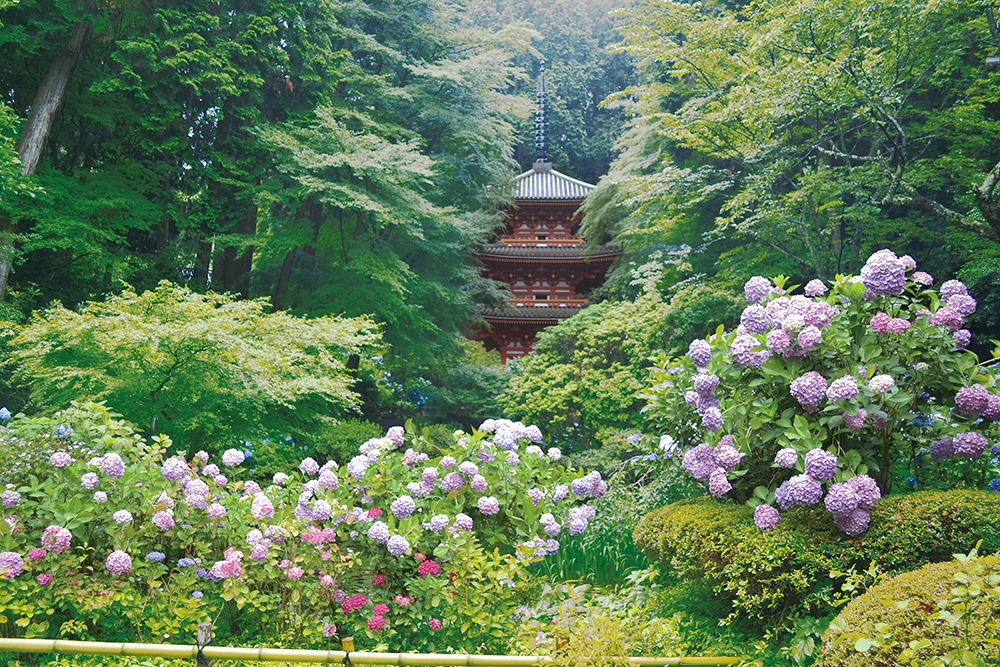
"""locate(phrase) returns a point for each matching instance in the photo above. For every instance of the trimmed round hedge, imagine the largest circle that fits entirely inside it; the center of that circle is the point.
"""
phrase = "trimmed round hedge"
(903, 609)
(765, 574)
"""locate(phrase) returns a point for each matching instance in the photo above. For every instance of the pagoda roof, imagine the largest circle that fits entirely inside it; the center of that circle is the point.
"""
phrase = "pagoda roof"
(543, 183)
(559, 253)
(509, 313)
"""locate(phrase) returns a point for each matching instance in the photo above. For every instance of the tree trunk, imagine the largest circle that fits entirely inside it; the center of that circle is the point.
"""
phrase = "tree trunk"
(284, 280)
(49, 99)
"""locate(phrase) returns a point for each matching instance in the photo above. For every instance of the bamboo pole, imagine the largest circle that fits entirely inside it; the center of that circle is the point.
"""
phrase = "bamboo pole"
(180, 651)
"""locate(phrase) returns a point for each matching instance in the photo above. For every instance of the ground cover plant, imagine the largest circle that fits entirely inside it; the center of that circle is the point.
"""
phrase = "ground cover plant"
(408, 544)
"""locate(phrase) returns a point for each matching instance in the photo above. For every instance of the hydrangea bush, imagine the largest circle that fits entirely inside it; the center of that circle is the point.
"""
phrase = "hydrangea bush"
(418, 548)
(833, 394)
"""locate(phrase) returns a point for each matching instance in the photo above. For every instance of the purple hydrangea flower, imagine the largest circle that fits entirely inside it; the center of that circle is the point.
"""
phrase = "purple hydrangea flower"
(766, 517)
(808, 389)
(705, 383)
(820, 464)
(470, 469)
(922, 278)
(883, 274)
(56, 539)
(745, 349)
(815, 288)
(718, 483)
(10, 498)
(691, 398)
(866, 489)
(942, 449)
(972, 400)
(156, 556)
(310, 467)
(951, 288)
(809, 338)
(259, 552)
(379, 532)
(478, 484)
(453, 481)
(396, 435)
(11, 564)
(174, 469)
(118, 562)
(786, 458)
(122, 517)
(100, 496)
(438, 523)
(805, 490)
(970, 445)
(447, 462)
(397, 545)
(783, 496)
(711, 419)
(698, 462)
(755, 319)
(964, 304)
(948, 317)
(962, 338)
(841, 499)
(463, 522)
(757, 288)
(357, 466)
(992, 411)
(726, 456)
(512, 459)
(488, 505)
(560, 492)
(700, 353)
(778, 341)
(855, 422)
(232, 458)
(403, 507)
(113, 465)
(853, 524)
(843, 389)
(216, 511)
(60, 459)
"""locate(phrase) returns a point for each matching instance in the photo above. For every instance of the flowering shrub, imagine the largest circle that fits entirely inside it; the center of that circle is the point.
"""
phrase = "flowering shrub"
(826, 396)
(379, 546)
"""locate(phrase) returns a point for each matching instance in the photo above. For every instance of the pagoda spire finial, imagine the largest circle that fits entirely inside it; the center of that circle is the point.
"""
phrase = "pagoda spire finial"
(541, 120)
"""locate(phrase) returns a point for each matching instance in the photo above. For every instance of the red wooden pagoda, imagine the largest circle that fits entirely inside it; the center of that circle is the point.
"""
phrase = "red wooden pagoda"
(539, 255)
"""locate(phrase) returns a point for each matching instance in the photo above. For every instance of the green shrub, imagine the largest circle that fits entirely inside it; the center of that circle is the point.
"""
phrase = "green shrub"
(935, 615)
(765, 575)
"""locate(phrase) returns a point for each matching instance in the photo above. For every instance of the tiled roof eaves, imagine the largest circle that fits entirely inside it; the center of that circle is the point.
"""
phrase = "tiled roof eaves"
(502, 251)
(534, 185)
(528, 313)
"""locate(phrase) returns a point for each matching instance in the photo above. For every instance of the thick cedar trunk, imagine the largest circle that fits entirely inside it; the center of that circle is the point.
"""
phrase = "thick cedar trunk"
(49, 99)
(284, 280)
(202, 262)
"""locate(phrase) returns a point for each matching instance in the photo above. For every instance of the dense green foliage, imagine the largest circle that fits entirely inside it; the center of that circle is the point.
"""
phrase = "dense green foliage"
(940, 614)
(794, 138)
(583, 379)
(768, 575)
(338, 157)
(214, 369)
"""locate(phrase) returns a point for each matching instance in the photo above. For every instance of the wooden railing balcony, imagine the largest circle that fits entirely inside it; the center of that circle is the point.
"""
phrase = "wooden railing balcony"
(547, 303)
